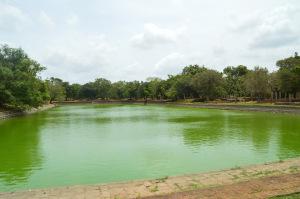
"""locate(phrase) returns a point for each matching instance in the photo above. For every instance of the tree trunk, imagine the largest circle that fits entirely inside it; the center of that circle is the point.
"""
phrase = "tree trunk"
(285, 96)
(279, 94)
(272, 95)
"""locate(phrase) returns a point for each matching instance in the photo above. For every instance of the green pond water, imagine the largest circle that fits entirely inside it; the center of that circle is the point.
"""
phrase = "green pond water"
(87, 144)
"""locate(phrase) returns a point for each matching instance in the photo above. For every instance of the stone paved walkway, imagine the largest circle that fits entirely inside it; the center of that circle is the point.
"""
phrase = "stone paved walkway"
(206, 182)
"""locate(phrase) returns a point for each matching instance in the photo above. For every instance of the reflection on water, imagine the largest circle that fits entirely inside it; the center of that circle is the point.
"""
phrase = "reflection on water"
(88, 144)
(20, 149)
(289, 138)
(212, 129)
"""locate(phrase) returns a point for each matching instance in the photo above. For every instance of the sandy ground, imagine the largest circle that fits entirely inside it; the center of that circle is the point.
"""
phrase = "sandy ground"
(258, 188)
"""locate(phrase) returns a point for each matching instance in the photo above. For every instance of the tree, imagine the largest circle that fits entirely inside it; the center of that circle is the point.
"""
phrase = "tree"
(143, 90)
(117, 90)
(289, 75)
(234, 80)
(208, 84)
(102, 87)
(74, 91)
(290, 62)
(131, 89)
(88, 91)
(275, 85)
(180, 87)
(257, 83)
(192, 70)
(56, 89)
(67, 89)
(20, 87)
(156, 87)
(288, 82)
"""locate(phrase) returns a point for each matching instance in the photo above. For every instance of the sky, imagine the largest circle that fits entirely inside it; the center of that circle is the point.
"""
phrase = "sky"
(79, 41)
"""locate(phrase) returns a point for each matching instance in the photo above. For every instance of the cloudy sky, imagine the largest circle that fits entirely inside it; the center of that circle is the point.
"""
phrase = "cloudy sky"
(79, 41)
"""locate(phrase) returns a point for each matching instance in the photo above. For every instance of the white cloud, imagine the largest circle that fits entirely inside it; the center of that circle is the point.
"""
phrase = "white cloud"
(46, 20)
(72, 20)
(87, 57)
(132, 71)
(11, 18)
(246, 23)
(219, 50)
(64, 38)
(173, 63)
(276, 28)
(170, 64)
(154, 35)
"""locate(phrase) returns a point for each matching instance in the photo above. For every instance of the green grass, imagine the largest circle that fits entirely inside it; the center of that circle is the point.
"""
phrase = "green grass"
(154, 189)
(289, 196)
(194, 186)
(162, 179)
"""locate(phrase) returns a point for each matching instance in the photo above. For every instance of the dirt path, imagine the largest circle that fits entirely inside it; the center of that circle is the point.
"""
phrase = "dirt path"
(258, 188)
(258, 180)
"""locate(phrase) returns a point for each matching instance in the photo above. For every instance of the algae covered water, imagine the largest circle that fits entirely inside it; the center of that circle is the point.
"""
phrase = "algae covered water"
(87, 144)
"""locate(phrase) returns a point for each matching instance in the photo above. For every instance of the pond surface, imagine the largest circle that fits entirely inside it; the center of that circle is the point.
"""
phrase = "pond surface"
(87, 144)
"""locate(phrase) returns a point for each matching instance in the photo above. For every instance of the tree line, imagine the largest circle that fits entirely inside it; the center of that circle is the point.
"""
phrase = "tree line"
(20, 86)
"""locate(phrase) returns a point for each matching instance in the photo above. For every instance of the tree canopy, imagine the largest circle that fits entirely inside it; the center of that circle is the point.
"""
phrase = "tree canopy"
(22, 88)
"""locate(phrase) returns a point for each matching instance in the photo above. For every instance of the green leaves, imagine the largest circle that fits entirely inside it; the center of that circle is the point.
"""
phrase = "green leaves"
(208, 84)
(20, 88)
(257, 83)
(289, 74)
(19, 85)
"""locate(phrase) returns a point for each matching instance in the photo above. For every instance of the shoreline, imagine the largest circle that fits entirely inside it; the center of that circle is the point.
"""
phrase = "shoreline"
(289, 109)
(288, 169)
(4, 115)
(251, 108)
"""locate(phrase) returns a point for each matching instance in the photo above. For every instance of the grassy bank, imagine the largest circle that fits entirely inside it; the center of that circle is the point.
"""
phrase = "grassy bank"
(289, 196)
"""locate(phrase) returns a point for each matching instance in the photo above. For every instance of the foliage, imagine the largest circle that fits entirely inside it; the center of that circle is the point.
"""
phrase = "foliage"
(156, 87)
(257, 83)
(289, 74)
(56, 88)
(132, 90)
(117, 90)
(20, 87)
(88, 91)
(275, 82)
(208, 84)
(192, 70)
(234, 80)
(74, 91)
(102, 87)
